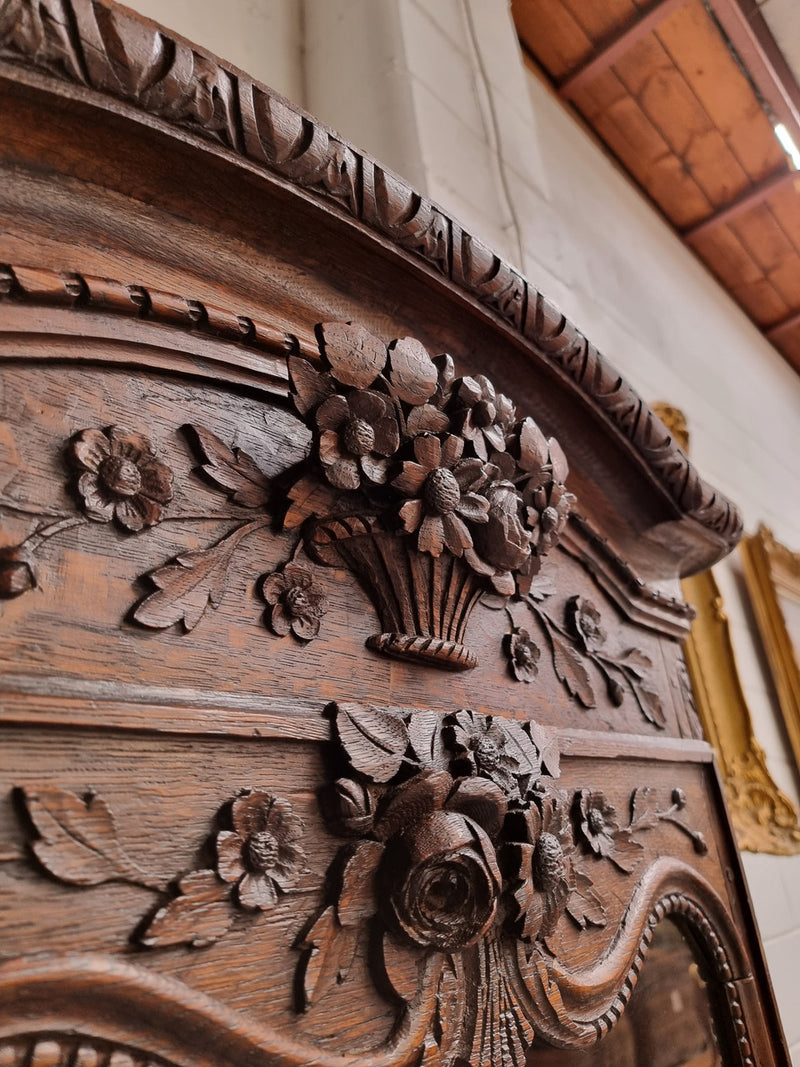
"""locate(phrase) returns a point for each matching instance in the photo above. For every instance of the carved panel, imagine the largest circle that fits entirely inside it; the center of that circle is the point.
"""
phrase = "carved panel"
(426, 486)
(111, 50)
(208, 861)
(462, 865)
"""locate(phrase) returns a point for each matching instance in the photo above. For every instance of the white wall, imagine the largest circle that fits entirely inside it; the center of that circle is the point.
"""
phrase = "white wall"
(262, 37)
(437, 90)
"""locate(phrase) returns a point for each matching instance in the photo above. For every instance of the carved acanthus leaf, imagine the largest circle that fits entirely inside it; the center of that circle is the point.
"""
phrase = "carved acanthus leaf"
(192, 583)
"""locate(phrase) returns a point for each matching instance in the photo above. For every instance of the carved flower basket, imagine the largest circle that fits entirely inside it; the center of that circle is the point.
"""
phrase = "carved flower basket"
(424, 602)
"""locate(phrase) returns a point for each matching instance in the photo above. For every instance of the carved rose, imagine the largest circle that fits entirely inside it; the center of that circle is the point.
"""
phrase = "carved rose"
(523, 655)
(357, 434)
(349, 807)
(296, 602)
(122, 478)
(441, 486)
(17, 575)
(261, 853)
(583, 620)
(442, 881)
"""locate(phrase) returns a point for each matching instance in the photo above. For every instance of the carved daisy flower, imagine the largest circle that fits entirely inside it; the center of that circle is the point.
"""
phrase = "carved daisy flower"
(482, 744)
(296, 601)
(357, 434)
(583, 620)
(261, 853)
(122, 477)
(600, 831)
(523, 655)
(441, 486)
(550, 882)
(597, 821)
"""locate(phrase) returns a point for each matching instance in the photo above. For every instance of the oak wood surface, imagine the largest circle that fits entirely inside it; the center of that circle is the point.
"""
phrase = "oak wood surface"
(344, 713)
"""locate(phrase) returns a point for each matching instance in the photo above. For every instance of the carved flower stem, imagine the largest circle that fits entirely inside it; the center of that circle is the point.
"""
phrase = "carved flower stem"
(40, 511)
(697, 838)
(157, 885)
(44, 533)
(207, 516)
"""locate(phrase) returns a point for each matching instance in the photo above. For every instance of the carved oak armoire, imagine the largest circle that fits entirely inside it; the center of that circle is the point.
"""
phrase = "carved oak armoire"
(344, 713)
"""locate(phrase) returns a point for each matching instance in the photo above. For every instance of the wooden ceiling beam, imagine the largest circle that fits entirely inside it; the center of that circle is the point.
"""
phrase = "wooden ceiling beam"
(774, 333)
(748, 32)
(754, 196)
(615, 46)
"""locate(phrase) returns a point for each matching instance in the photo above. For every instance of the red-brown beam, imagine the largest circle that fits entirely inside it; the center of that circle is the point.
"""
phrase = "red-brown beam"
(617, 45)
(750, 35)
(754, 196)
(782, 327)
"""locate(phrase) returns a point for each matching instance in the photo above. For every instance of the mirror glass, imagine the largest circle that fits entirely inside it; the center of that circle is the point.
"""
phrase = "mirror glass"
(668, 1022)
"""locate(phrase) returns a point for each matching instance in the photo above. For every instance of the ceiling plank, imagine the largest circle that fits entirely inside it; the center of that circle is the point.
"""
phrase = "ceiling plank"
(617, 45)
(779, 329)
(750, 35)
(755, 195)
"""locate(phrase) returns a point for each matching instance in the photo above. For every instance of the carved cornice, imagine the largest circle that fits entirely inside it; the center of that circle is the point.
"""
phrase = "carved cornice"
(640, 602)
(117, 54)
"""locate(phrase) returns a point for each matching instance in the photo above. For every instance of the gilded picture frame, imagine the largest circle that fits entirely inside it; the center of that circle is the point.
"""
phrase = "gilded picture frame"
(763, 817)
(772, 574)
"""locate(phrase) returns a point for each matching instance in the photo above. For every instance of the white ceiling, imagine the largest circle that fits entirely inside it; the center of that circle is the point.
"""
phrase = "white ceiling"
(783, 19)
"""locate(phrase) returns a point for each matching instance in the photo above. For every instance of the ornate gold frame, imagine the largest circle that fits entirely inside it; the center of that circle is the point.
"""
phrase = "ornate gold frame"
(771, 570)
(764, 818)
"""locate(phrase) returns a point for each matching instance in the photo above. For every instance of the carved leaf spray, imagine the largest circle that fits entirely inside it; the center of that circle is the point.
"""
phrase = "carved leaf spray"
(463, 863)
(427, 487)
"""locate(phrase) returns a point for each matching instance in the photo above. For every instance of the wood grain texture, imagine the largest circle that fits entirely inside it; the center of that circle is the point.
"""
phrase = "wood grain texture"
(231, 831)
(268, 130)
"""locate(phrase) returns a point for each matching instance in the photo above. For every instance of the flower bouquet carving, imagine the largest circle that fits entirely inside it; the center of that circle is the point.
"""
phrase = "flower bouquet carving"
(427, 487)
